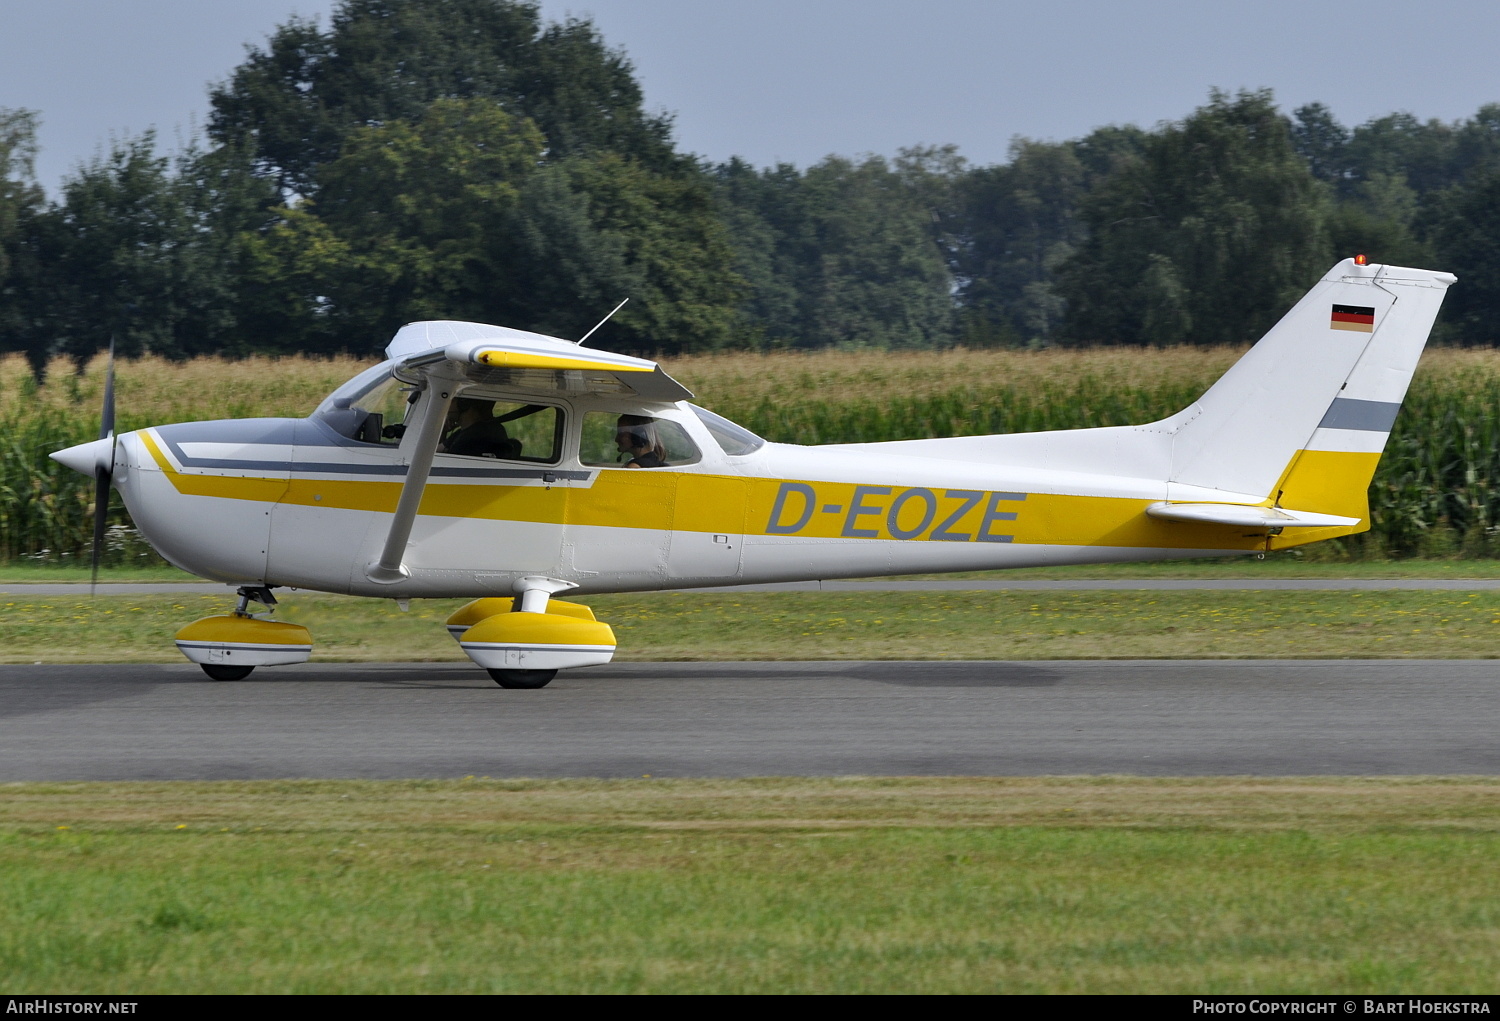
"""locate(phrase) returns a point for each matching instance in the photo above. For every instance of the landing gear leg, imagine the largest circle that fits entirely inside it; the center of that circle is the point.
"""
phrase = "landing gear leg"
(523, 678)
(254, 594)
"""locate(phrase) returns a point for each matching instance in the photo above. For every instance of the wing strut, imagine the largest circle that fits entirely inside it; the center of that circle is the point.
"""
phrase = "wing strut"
(432, 409)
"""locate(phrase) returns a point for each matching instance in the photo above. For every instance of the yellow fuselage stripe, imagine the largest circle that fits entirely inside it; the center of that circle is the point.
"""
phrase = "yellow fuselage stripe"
(667, 500)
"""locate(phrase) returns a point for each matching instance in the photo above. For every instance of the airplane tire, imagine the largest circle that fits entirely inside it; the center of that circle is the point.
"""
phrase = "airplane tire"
(219, 672)
(523, 678)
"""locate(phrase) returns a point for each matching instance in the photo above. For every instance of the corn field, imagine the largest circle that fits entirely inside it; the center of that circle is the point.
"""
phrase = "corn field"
(1433, 495)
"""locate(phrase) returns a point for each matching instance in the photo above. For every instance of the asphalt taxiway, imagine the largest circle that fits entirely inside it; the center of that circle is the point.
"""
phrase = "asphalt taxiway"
(1152, 717)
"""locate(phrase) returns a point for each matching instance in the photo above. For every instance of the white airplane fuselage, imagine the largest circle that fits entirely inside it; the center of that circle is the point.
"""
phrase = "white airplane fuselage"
(289, 502)
(1279, 452)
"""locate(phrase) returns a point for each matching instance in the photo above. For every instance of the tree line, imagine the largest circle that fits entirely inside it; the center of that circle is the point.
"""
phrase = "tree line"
(421, 159)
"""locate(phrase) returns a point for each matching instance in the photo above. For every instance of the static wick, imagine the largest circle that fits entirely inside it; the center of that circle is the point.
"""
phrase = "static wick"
(606, 319)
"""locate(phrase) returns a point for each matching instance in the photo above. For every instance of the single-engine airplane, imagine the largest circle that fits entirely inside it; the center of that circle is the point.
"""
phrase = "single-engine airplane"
(509, 467)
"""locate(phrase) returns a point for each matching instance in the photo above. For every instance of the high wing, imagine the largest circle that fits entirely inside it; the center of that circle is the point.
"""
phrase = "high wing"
(514, 359)
(444, 357)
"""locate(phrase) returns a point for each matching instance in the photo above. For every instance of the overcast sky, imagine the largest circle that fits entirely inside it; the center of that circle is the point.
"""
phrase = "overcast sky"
(795, 80)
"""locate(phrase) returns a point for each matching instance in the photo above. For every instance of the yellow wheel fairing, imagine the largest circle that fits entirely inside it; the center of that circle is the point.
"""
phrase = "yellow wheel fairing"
(234, 628)
(538, 641)
(469, 614)
(472, 613)
(246, 641)
(567, 609)
(539, 629)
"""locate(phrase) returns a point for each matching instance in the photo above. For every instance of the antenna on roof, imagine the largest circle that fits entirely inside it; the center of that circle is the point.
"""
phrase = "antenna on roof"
(606, 319)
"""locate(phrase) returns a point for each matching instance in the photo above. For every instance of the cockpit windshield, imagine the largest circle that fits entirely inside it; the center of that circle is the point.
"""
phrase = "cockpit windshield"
(370, 408)
(735, 440)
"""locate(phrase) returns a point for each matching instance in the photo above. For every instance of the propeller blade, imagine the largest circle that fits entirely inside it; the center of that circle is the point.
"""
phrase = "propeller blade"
(101, 516)
(103, 471)
(107, 416)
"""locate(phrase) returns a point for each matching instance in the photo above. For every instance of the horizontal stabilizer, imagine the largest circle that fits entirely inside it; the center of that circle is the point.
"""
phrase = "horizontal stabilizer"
(1246, 517)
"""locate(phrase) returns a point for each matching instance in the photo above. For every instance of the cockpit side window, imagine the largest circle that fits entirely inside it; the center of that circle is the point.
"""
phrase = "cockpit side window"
(613, 440)
(507, 430)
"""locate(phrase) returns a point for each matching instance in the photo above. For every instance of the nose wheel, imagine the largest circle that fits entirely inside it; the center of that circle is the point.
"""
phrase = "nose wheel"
(521, 678)
(220, 672)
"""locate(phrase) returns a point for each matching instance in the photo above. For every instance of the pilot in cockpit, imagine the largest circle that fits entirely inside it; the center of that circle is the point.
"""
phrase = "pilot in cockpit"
(472, 429)
(637, 436)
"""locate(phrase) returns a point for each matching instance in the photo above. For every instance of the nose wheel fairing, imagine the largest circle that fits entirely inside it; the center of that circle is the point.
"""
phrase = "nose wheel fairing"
(229, 646)
(232, 640)
(519, 640)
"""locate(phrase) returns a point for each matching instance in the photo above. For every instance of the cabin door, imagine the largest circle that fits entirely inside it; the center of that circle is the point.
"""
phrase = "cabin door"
(708, 527)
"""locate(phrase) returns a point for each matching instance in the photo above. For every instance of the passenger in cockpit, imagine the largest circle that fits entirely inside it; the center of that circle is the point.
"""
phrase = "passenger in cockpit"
(636, 435)
(476, 432)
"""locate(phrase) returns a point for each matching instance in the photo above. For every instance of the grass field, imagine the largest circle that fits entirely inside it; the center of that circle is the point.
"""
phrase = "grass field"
(1098, 885)
(827, 626)
(32, 573)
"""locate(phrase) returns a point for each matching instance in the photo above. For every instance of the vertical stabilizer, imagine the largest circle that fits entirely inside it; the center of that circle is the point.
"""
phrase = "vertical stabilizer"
(1304, 415)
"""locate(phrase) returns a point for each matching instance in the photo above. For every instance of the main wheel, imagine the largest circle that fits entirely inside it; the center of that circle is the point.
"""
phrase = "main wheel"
(523, 678)
(220, 672)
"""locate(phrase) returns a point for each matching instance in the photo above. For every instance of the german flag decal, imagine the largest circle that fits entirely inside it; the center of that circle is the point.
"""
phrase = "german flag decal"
(1360, 318)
